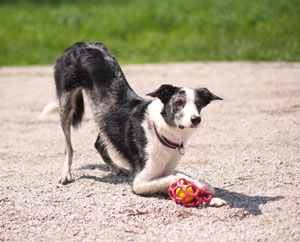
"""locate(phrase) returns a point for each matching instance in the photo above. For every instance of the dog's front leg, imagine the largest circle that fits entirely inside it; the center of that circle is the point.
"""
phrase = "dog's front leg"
(170, 170)
(149, 181)
(143, 186)
(199, 183)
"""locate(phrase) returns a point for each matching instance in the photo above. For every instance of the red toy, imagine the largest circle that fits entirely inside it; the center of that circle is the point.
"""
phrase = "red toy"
(187, 193)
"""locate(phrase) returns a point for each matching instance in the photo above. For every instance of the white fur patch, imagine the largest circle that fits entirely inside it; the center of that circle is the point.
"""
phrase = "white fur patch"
(190, 108)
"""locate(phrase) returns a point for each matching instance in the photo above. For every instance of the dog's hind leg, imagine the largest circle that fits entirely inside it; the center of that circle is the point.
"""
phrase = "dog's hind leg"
(102, 150)
(71, 112)
(66, 172)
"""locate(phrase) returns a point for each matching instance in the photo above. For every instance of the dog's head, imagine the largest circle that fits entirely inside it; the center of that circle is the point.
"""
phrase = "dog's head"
(182, 106)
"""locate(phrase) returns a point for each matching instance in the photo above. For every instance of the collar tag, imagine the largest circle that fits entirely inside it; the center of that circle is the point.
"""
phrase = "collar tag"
(181, 149)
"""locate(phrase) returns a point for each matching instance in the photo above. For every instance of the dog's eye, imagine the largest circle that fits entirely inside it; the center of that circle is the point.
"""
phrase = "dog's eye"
(179, 103)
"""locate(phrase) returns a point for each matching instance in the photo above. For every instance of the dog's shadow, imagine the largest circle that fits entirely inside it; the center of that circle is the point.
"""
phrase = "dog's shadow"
(109, 178)
(248, 203)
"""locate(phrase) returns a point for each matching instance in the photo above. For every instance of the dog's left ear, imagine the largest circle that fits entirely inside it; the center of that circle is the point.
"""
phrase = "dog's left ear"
(206, 96)
(164, 93)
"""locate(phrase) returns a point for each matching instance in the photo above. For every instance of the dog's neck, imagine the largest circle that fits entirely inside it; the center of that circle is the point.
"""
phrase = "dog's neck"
(165, 141)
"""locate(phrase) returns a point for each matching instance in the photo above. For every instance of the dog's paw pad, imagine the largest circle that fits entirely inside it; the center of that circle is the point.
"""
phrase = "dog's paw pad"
(65, 179)
(217, 202)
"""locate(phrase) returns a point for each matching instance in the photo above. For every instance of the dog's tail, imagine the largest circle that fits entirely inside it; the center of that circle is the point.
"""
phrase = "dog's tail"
(49, 109)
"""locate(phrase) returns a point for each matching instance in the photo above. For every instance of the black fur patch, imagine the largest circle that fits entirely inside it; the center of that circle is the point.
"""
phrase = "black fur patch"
(123, 128)
(204, 97)
(79, 110)
(164, 93)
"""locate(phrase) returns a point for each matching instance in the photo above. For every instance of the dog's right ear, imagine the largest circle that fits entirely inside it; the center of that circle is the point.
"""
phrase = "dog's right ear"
(164, 93)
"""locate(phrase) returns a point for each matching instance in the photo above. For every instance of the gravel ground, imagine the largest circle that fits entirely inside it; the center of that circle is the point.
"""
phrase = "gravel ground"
(248, 148)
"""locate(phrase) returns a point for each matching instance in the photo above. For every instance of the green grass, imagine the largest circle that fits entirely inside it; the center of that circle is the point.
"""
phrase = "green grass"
(35, 32)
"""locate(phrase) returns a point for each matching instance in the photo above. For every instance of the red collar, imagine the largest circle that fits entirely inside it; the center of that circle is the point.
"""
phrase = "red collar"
(166, 142)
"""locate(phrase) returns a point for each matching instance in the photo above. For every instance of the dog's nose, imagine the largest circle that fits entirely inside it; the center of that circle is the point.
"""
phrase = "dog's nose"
(195, 119)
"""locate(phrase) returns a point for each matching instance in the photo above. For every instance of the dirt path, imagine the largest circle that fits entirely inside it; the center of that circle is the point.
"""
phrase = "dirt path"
(248, 147)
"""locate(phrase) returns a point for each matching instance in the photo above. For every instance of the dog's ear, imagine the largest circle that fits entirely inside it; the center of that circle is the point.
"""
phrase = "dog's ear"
(206, 96)
(164, 93)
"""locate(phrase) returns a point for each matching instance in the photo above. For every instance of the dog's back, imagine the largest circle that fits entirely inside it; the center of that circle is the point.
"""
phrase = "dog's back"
(116, 107)
(88, 66)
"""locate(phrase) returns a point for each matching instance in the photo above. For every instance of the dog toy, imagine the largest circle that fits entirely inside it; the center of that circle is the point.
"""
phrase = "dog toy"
(186, 193)
(180, 192)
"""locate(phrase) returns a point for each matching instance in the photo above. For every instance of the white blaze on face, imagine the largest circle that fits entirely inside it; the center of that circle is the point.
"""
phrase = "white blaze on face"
(190, 108)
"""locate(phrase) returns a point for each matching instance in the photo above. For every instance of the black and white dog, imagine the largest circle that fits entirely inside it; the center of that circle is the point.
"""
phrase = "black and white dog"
(137, 137)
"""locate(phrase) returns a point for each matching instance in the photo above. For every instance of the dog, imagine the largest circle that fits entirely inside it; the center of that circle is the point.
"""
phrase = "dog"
(137, 137)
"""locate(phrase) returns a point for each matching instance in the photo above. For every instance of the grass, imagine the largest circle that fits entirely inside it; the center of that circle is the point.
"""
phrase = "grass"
(35, 32)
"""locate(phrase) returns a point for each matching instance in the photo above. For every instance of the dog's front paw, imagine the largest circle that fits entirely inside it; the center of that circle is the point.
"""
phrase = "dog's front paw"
(65, 178)
(205, 186)
(217, 202)
(121, 172)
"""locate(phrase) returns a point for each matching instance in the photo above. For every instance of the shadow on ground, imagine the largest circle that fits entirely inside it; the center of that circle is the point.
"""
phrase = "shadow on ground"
(101, 167)
(110, 178)
(234, 200)
(245, 202)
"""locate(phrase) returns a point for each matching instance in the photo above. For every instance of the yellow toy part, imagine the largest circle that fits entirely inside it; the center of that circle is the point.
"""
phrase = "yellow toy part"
(180, 192)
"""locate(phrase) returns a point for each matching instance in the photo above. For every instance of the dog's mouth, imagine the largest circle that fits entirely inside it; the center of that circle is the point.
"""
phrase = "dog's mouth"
(193, 126)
